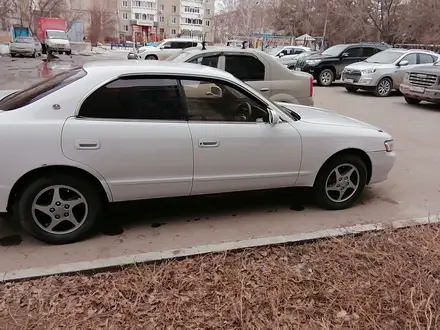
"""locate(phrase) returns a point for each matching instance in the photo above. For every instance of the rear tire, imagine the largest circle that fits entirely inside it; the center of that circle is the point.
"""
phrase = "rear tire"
(151, 57)
(65, 218)
(340, 182)
(411, 100)
(68, 53)
(351, 89)
(326, 77)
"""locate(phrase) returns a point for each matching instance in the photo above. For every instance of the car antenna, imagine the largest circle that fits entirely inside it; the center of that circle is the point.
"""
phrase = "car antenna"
(244, 45)
(203, 45)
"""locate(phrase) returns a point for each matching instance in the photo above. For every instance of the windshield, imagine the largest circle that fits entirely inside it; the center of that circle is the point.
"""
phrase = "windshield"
(56, 35)
(334, 50)
(275, 50)
(179, 57)
(38, 91)
(385, 57)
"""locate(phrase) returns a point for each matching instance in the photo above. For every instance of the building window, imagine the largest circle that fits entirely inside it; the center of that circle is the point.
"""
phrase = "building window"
(174, 20)
(124, 3)
(124, 15)
(174, 9)
(126, 28)
(162, 7)
(188, 9)
(173, 31)
(161, 30)
(194, 21)
(208, 11)
(162, 19)
(207, 23)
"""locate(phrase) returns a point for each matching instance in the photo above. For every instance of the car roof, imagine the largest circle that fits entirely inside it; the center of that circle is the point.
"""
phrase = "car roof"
(198, 50)
(365, 44)
(403, 50)
(113, 68)
(182, 39)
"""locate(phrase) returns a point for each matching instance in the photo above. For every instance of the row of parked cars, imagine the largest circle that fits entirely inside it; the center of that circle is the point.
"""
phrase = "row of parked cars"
(375, 67)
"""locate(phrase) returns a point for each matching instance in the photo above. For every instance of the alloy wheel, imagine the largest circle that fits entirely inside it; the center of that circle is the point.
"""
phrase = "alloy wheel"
(342, 183)
(59, 209)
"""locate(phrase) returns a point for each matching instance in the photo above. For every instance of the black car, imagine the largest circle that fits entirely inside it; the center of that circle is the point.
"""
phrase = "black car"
(327, 66)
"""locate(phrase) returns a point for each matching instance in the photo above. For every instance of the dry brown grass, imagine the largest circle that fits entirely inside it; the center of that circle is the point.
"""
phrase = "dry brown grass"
(375, 281)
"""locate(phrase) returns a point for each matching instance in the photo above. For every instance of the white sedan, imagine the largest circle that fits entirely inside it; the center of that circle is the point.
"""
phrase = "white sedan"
(119, 131)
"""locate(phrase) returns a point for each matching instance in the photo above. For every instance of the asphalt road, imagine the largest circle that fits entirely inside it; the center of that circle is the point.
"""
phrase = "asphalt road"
(413, 190)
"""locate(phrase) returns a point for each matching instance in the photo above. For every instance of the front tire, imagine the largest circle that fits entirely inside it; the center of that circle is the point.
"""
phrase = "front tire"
(411, 100)
(383, 88)
(59, 209)
(151, 58)
(326, 77)
(340, 182)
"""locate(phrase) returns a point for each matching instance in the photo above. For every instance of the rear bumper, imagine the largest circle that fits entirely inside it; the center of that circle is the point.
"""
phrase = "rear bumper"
(427, 94)
(382, 163)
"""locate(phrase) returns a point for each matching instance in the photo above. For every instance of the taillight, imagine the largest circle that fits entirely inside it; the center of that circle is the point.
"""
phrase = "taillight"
(311, 85)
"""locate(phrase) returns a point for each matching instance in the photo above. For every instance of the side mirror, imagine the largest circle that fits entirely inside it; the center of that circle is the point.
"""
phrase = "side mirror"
(403, 63)
(344, 55)
(280, 55)
(274, 117)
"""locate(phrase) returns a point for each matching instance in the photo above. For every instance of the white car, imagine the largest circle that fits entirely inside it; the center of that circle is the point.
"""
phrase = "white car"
(287, 52)
(164, 49)
(27, 46)
(120, 130)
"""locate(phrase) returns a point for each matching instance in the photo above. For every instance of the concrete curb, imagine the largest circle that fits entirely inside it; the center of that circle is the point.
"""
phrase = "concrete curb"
(116, 262)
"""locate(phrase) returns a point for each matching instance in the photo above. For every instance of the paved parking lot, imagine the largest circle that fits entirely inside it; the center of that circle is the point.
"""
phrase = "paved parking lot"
(131, 228)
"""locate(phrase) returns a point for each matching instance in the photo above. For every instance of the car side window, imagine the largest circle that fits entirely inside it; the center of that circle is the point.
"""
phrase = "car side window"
(211, 61)
(425, 59)
(353, 52)
(411, 58)
(368, 51)
(177, 45)
(212, 100)
(136, 97)
(246, 68)
(298, 51)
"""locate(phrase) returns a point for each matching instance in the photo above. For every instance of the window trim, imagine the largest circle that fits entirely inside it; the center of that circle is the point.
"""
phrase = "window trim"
(352, 47)
(195, 57)
(225, 82)
(419, 58)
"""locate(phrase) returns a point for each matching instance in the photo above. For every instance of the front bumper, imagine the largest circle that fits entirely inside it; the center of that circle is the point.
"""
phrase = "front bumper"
(359, 80)
(27, 51)
(59, 48)
(421, 93)
(382, 163)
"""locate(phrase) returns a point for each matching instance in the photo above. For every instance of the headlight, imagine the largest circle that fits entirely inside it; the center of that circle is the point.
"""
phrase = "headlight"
(313, 62)
(406, 75)
(389, 145)
(368, 71)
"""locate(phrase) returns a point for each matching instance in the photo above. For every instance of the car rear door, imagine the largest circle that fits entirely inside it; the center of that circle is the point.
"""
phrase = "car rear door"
(253, 71)
(134, 132)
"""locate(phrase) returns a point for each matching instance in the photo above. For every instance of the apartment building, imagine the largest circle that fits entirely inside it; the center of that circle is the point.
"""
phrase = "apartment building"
(154, 20)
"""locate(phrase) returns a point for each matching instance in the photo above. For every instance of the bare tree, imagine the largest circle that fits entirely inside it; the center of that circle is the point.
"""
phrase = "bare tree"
(7, 10)
(102, 21)
(73, 13)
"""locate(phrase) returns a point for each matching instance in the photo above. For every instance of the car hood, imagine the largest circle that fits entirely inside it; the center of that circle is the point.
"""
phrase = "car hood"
(428, 69)
(325, 117)
(319, 56)
(366, 65)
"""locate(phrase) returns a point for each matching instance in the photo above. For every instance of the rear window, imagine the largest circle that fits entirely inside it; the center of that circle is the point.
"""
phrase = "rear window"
(38, 91)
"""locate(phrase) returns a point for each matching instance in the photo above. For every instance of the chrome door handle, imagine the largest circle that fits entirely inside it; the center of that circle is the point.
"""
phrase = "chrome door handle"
(85, 144)
(208, 143)
(264, 89)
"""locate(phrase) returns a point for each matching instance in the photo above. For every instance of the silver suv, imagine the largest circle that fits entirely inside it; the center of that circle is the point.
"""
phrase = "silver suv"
(383, 72)
(258, 69)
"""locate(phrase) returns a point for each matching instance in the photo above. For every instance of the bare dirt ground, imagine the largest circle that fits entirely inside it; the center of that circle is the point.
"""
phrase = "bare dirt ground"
(387, 280)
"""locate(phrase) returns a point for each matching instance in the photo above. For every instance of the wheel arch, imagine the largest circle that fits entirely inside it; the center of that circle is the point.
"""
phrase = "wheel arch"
(387, 75)
(350, 151)
(32, 175)
(330, 67)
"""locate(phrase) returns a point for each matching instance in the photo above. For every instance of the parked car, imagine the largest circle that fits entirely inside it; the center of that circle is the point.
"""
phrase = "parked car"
(117, 131)
(327, 66)
(163, 50)
(290, 63)
(422, 83)
(287, 52)
(27, 46)
(383, 72)
(258, 69)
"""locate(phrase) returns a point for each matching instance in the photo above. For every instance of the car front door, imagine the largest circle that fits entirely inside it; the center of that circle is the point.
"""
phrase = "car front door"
(251, 70)
(349, 56)
(400, 70)
(134, 132)
(235, 147)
